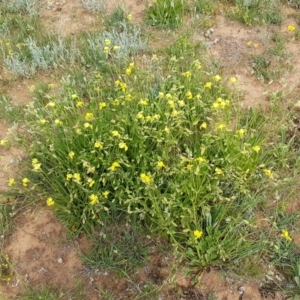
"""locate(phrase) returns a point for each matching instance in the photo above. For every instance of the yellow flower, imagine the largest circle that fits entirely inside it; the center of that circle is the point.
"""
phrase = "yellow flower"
(129, 17)
(74, 96)
(98, 145)
(105, 194)
(128, 71)
(256, 148)
(122, 145)
(233, 79)
(36, 164)
(286, 235)
(208, 85)
(87, 125)
(241, 132)
(198, 234)
(268, 173)
(77, 177)
(160, 164)
(203, 125)
(189, 95)
(106, 50)
(50, 201)
(58, 122)
(197, 64)
(291, 28)
(94, 199)
(249, 43)
(50, 104)
(78, 131)
(187, 74)
(3, 142)
(219, 171)
(181, 103)
(217, 78)
(171, 103)
(115, 48)
(107, 42)
(154, 57)
(71, 154)
(69, 176)
(144, 102)
(51, 86)
(220, 126)
(174, 113)
(102, 105)
(11, 182)
(89, 116)
(116, 134)
(128, 97)
(114, 166)
(79, 104)
(145, 178)
(161, 95)
(200, 159)
(189, 166)
(91, 182)
(25, 181)
(255, 45)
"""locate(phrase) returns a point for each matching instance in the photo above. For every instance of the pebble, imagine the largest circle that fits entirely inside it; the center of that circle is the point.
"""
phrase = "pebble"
(60, 261)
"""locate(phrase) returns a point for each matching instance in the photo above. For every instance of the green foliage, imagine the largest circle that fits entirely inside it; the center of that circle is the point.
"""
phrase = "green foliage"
(204, 6)
(166, 13)
(255, 12)
(163, 152)
(122, 248)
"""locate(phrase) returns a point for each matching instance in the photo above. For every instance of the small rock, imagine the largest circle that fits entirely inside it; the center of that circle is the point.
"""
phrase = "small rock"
(241, 290)
(182, 281)
(60, 261)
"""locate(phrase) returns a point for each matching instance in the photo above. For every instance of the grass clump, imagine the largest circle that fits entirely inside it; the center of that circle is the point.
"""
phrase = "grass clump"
(165, 152)
(166, 13)
(255, 12)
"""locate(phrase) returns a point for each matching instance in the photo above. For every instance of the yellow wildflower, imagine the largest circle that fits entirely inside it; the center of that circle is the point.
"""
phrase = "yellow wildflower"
(189, 166)
(98, 145)
(89, 116)
(123, 145)
(114, 166)
(107, 42)
(217, 78)
(91, 182)
(77, 177)
(255, 45)
(11, 182)
(102, 105)
(256, 148)
(286, 235)
(189, 95)
(3, 142)
(233, 79)
(200, 159)
(198, 234)
(268, 173)
(220, 126)
(106, 50)
(74, 96)
(115, 48)
(105, 194)
(145, 178)
(94, 199)
(160, 164)
(171, 103)
(203, 125)
(197, 64)
(128, 71)
(79, 104)
(78, 131)
(219, 171)
(144, 102)
(208, 85)
(241, 132)
(181, 103)
(291, 28)
(161, 95)
(69, 176)
(71, 154)
(25, 181)
(58, 122)
(50, 201)
(116, 134)
(129, 17)
(187, 74)
(249, 43)
(87, 125)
